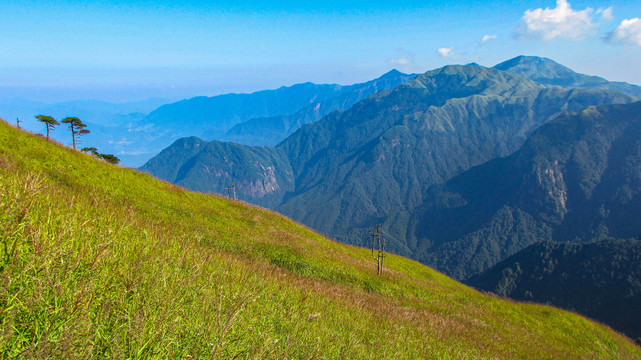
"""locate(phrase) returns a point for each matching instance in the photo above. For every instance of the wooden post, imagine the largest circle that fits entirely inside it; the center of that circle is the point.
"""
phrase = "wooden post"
(18, 122)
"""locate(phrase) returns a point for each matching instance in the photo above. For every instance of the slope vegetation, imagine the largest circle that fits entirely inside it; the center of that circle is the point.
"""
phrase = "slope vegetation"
(103, 262)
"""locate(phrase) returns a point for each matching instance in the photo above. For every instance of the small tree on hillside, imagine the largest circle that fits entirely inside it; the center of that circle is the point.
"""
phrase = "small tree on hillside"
(91, 150)
(110, 159)
(49, 122)
(106, 157)
(77, 127)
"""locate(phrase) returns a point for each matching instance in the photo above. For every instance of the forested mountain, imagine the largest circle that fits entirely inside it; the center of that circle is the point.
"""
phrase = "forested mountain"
(272, 130)
(598, 279)
(356, 167)
(261, 175)
(577, 178)
(549, 72)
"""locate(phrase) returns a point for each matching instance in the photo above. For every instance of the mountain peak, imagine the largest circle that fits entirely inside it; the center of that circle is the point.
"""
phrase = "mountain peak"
(532, 63)
(549, 72)
(392, 74)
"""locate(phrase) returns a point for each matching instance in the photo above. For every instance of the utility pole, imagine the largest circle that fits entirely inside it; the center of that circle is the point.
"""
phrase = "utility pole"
(378, 243)
(230, 189)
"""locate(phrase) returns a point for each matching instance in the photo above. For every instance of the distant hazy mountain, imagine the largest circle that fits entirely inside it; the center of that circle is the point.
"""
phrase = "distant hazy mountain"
(599, 279)
(211, 117)
(577, 178)
(272, 130)
(137, 131)
(549, 72)
(92, 111)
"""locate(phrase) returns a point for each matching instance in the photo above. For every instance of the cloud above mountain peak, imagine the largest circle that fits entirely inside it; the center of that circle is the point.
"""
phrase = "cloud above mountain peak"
(559, 22)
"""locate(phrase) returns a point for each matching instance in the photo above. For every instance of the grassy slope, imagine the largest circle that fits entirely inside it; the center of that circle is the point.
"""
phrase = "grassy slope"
(104, 262)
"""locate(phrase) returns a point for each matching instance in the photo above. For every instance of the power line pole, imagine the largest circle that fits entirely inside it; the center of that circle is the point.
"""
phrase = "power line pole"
(231, 189)
(378, 243)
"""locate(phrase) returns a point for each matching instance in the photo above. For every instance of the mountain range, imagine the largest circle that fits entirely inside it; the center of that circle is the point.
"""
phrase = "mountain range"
(464, 166)
(273, 130)
(377, 161)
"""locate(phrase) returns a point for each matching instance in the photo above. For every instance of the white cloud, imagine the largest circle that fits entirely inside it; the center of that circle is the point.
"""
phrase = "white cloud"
(606, 14)
(445, 52)
(628, 32)
(560, 22)
(487, 38)
(402, 61)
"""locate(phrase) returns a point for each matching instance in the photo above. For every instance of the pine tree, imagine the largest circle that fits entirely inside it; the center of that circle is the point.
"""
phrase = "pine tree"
(77, 127)
(49, 122)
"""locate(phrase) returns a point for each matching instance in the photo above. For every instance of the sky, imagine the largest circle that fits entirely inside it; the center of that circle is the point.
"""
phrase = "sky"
(123, 51)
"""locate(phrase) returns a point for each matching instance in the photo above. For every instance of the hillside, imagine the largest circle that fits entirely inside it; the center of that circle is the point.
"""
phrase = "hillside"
(577, 178)
(104, 262)
(598, 279)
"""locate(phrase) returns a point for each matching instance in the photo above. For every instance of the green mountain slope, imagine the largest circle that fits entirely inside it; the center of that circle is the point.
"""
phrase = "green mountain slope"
(261, 175)
(577, 178)
(549, 72)
(104, 262)
(599, 279)
(356, 167)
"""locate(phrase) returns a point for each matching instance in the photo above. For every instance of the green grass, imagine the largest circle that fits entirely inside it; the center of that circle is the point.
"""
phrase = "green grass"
(98, 261)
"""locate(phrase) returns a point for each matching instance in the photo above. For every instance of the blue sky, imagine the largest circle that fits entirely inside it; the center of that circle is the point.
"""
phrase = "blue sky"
(126, 51)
